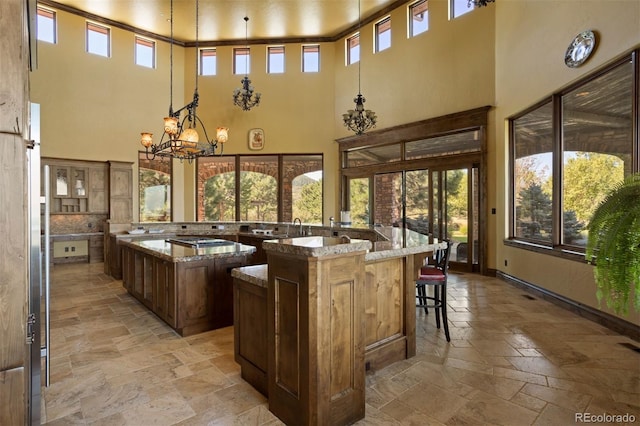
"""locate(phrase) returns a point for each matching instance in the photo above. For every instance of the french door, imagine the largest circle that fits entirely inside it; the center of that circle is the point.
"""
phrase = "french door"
(440, 202)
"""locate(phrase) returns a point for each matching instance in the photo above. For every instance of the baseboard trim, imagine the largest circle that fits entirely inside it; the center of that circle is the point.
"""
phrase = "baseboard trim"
(607, 320)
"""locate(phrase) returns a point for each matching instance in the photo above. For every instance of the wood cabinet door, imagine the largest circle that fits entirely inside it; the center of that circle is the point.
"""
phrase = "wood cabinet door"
(98, 196)
(164, 302)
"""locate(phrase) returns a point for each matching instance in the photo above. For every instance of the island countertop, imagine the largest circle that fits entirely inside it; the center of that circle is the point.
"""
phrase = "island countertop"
(179, 253)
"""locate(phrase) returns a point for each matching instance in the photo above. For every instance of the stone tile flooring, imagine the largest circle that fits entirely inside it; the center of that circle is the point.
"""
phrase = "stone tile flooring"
(511, 361)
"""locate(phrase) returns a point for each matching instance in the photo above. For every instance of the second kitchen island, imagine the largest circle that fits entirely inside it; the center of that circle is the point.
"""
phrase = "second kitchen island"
(189, 287)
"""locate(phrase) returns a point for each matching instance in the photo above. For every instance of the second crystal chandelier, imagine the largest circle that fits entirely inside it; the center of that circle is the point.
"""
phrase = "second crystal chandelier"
(359, 119)
(244, 96)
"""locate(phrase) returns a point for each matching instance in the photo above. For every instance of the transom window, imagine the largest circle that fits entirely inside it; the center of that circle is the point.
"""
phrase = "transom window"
(145, 52)
(311, 58)
(458, 8)
(418, 18)
(98, 39)
(383, 34)
(275, 59)
(46, 25)
(353, 49)
(241, 60)
(208, 61)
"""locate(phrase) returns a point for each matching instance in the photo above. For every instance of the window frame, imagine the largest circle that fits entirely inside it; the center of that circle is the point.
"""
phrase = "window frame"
(381, 27)
(238, 54)
(351, 43)
(410, 18)
(273, 51)
(146, 42)
(284, 200)
(161, 164)
(99, 29)
(453, 11)
(49, 14)
(309, 49)
(207, 52)
(557, 246)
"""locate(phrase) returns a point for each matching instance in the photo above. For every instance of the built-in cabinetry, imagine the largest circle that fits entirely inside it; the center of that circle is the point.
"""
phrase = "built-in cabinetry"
(191, 296)
(77, 186)
(120, 192)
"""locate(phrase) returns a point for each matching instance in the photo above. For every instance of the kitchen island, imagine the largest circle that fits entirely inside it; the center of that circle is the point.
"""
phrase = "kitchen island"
(324, 310)
(189, 287)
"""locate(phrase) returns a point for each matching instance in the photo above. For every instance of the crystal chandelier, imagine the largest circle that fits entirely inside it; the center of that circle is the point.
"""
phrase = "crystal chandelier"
(359, 119)
(245, 97)
(180, 139)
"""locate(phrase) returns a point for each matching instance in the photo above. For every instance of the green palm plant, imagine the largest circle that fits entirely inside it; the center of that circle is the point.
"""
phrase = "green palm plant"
(613, 246)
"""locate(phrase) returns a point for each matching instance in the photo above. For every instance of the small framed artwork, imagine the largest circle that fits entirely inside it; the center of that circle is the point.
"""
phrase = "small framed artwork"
(256, 139)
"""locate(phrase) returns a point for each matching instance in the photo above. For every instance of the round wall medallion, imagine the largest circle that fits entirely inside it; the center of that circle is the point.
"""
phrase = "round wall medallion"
(580, 49)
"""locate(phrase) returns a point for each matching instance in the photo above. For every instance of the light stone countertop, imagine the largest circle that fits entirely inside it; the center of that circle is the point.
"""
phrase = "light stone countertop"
(254, 274)
(179, 253)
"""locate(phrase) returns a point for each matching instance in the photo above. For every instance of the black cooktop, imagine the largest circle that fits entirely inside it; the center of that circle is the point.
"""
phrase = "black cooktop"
(198, 242)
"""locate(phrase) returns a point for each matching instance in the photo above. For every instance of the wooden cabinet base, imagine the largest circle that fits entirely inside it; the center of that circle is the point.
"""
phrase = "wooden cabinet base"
(316, 372)
(192, 297)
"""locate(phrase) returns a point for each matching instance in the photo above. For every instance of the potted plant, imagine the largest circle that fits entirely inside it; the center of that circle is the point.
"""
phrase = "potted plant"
(613, 246)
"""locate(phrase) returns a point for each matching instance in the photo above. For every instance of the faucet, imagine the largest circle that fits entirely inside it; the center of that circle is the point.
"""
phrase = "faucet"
(331, 222)
(297, 219)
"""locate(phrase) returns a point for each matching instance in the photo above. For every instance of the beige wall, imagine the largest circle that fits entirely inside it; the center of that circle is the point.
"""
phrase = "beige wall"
(531, 40)
(508, 55)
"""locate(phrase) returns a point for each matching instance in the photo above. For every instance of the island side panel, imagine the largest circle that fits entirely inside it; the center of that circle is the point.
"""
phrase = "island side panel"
(250, 332)
(316, 338)
(385, 338)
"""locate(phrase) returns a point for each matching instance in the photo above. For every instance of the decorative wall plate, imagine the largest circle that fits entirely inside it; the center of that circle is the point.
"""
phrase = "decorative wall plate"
(256, 139)
(580, 48)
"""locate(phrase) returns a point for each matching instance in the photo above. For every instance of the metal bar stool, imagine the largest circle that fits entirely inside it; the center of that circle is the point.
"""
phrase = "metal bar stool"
(435, 276)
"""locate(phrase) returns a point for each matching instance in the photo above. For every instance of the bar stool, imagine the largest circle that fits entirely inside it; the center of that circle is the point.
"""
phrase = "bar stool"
(435, 276)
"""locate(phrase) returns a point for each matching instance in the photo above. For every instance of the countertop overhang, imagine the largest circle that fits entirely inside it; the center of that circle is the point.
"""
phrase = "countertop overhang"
(179, 253)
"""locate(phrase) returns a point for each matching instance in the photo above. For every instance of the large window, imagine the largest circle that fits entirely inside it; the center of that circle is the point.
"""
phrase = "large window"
(98, 39)
(425, 177)
(559, 177)
(217, 188)
(145, 52)
(46, 25)
(260, 188)
(418, 18)
(154, 181)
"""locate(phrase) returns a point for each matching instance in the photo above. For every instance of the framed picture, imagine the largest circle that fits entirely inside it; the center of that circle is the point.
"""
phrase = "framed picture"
(256, 139)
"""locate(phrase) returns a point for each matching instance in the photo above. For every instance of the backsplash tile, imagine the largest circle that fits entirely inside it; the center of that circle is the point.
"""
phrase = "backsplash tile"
(76, 223)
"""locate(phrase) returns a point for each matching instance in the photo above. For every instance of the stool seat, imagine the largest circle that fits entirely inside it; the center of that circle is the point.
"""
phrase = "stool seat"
(435, 276)
(431, 273)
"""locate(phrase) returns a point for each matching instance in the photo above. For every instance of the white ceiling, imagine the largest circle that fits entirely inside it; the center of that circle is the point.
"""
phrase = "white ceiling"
(222, 20)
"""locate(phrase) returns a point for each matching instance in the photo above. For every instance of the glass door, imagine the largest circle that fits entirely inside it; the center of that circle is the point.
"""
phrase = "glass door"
(443, 203)
(455, 201)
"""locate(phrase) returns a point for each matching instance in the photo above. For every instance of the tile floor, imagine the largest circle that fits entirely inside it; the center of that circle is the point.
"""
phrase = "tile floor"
(511, 361)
